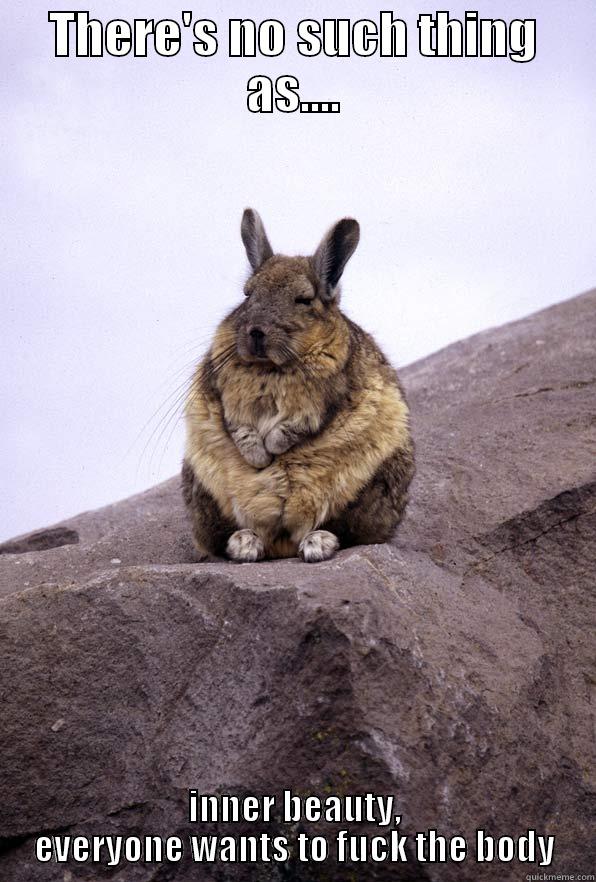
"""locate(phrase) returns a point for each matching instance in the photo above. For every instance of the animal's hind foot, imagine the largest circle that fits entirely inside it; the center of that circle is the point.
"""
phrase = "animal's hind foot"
(317, 546)
(244, 546)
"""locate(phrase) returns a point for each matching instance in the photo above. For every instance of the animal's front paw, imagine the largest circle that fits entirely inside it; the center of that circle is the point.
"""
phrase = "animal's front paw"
(244, 546)
(250, 444)
(278, 441)
(256, 456)
(318, 545)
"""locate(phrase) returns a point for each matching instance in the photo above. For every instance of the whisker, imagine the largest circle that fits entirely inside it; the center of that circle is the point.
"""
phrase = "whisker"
(172, 420)
(176, 392)
(161, 424)
(215, 365)
(172, 412)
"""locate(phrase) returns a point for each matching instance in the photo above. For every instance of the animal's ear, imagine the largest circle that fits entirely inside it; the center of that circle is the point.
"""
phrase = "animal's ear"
(258, 249)
(333, 253)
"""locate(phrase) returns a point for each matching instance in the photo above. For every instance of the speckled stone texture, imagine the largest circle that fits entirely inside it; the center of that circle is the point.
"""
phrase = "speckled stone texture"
(453, 668)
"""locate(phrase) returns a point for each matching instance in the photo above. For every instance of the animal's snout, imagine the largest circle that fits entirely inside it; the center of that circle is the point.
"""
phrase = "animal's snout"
(257, 341)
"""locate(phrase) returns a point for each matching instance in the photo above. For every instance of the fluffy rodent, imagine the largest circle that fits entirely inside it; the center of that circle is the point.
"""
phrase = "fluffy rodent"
(297, 427)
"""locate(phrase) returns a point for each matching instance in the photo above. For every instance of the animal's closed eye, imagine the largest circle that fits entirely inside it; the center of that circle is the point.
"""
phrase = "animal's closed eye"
(305, 300)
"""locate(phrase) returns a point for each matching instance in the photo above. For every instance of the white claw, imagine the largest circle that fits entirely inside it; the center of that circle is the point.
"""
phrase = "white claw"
(318, 545)
(244, 546)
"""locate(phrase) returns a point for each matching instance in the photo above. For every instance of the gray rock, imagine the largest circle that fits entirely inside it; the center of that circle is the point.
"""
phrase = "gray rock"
(453, 668)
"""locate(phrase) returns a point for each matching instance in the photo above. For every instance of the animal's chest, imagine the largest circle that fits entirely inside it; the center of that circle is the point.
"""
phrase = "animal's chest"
(262, 402)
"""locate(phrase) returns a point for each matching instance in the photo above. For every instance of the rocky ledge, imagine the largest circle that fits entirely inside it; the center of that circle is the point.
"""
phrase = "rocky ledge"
(453, 668)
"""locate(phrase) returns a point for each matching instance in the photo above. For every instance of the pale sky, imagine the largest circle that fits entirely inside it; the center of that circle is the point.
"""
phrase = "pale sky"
(123, 180)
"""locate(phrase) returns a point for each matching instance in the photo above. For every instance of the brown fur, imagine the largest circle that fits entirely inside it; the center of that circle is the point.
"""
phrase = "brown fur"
(323, 415)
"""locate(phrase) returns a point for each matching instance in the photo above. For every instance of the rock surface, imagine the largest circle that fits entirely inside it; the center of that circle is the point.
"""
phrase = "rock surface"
(453, 668)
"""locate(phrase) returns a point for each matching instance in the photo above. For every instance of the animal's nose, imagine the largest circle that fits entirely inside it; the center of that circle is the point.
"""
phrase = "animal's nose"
(257, 338)
(257, 334)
